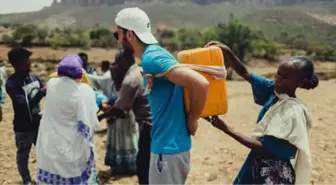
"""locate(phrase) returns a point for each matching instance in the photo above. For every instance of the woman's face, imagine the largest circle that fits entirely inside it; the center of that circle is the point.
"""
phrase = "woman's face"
(287, 78)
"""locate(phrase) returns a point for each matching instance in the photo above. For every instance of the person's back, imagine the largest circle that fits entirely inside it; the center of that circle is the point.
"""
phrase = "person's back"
(169, 132)
(65, 148)
(62, 93)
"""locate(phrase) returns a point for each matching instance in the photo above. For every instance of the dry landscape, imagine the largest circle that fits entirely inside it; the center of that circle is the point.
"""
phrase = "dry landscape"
(216, 158)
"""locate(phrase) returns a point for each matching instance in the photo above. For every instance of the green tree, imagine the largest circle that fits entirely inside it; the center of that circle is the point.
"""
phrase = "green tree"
(189, 38)
(25, 35)
(102, 37)
(237, 36)
(209, 35)
(42, 34)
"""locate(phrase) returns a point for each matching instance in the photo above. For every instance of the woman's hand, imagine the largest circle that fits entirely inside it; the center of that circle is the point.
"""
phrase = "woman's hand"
(218, 123)
(224, 47)
(105, 106)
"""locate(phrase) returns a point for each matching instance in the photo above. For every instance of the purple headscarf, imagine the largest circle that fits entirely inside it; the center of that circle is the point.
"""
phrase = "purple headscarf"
(70, 66)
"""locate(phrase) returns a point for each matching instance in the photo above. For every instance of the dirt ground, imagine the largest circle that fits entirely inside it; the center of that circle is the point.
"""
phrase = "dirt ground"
(215, 157)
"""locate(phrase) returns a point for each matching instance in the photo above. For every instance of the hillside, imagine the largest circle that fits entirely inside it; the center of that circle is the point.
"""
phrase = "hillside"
(315, 20)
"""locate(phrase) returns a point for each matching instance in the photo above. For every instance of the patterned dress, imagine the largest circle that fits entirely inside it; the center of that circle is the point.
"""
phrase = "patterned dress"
(275, 166)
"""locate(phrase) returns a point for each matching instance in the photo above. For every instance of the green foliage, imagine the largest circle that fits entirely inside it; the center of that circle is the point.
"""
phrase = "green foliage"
(321, 52)
(189, 38)
(102, 37)
(25, 34)
(266, 49)
(6, 25)
(8, 40)
(240, 37)
(210, 34)
(237, 36)
(42, 34)
(70, 38)
(172, 44)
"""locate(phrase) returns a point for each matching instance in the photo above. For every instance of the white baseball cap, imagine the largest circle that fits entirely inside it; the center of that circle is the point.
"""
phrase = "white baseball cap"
(136, 20)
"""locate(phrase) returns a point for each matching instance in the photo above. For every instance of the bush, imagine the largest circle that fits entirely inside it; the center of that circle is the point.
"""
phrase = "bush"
(172, 44)
(42, 34)
(6, 25)
(6, 39)
(210, 34)
(102, 37)
(189, 38)
(237, 36)
(321, 52)
(266, 49)
(25, 35)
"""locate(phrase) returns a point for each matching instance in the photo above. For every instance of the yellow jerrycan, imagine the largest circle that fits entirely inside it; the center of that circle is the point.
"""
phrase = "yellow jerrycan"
(217, 100)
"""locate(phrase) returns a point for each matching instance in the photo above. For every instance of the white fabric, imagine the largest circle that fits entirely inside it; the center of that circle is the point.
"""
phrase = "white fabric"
(290, 119)
(138, 21)
(218, 72)
(60, 148)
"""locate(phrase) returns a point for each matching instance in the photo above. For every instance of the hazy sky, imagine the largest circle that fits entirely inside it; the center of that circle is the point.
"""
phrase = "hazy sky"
(10, 6)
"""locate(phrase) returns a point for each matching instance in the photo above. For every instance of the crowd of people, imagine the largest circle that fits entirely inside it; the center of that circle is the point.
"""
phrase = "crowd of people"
(149, 132)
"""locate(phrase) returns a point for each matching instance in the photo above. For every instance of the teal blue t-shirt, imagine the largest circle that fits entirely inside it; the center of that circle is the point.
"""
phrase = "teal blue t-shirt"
(169, 131)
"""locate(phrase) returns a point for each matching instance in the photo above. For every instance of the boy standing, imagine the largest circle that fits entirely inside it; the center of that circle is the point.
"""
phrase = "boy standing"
(26, 90)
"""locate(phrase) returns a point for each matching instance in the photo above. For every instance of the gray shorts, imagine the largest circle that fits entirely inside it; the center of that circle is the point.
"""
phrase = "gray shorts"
(169, 169)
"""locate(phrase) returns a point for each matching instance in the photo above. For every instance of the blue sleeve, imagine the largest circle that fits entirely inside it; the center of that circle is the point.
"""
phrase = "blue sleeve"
(112, 100)
(279, 147)
(155, 63)
(100, 97)
(262, 88)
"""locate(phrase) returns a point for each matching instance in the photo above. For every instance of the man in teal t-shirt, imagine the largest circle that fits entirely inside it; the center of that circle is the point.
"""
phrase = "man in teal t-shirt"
(171, 142)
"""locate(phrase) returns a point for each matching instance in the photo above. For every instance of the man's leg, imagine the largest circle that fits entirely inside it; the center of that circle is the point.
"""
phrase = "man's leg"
(23, 142)
(169, 169)
(143, 157)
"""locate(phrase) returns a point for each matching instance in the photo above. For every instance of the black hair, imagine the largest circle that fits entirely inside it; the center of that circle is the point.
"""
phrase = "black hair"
(18, 55)
(81, 54)
(124, 60)
(105, 65)
(306, 68)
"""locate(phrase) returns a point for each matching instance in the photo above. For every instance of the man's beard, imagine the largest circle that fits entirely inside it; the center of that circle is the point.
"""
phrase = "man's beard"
(127, 46)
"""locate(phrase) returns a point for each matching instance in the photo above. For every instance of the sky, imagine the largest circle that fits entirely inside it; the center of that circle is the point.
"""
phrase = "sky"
(13, 6)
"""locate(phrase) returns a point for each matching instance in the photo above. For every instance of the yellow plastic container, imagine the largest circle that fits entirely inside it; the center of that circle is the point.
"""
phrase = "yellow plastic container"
(85, 78)
(217, 100)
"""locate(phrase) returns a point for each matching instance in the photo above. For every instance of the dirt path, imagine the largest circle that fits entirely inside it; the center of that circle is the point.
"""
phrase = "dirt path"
(216, 158)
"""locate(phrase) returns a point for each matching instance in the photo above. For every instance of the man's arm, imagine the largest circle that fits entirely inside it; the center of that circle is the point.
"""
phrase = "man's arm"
(95, 80)
(124, 102)
(197, 86)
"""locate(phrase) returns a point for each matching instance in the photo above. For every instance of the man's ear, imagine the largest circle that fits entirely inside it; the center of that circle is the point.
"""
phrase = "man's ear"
(131, 36)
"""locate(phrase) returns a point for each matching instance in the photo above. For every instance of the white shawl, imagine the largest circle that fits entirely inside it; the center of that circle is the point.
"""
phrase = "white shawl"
(64, 149)
(290, 119)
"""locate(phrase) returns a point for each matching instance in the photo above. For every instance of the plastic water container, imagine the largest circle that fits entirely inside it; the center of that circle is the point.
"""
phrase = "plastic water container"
(85, 78)
(217, 100)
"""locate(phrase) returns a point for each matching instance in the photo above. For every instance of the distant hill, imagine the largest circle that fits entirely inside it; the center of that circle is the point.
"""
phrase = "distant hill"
(201, 2)
(304, 18)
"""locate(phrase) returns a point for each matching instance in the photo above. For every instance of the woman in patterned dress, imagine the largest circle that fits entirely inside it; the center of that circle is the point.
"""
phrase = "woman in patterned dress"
(65, 150)
(280, 151)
